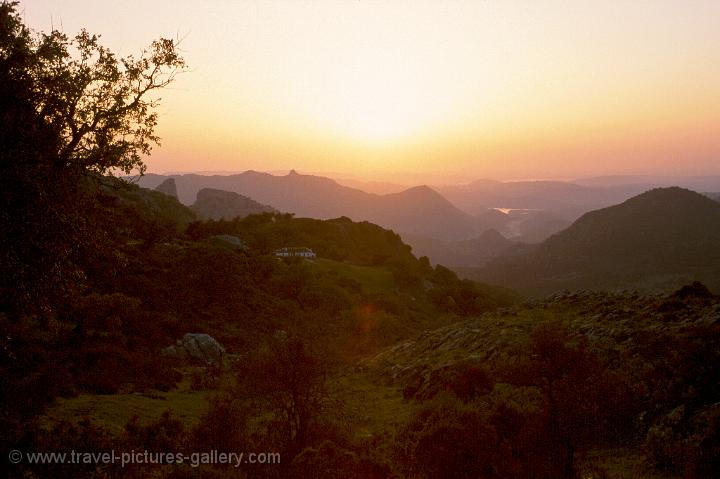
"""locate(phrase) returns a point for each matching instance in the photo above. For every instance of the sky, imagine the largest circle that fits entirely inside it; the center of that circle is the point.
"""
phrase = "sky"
(426, 91)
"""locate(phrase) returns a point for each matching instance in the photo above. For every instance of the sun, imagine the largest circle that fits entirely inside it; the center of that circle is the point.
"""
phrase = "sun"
(373, 108)
(375, 100)
(378, 112)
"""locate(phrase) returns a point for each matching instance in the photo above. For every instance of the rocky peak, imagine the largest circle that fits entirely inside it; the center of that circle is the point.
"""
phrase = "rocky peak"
(168, 187)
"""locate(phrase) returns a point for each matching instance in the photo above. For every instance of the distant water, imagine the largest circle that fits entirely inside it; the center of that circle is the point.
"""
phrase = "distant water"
(522, 211)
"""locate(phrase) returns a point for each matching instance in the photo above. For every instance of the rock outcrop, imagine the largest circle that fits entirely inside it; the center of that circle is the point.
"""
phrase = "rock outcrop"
(168, 187)
(197, 347)
(422, 365)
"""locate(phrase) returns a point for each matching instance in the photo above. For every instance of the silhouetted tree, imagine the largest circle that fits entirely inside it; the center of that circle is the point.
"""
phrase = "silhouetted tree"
(449, 439)
(70, 110)
(578, 393)
(288, 381)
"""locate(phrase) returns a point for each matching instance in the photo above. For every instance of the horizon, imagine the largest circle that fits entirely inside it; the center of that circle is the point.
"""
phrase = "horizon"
(344, 177)
(426, 92)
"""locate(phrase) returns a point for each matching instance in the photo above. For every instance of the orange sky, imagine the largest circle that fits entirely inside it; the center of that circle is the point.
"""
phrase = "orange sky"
(444, 91)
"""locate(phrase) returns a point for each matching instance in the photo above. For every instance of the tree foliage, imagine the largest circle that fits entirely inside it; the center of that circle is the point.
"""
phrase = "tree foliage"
(289, 380)
(71, 111)
(582, 398)
(100, 106)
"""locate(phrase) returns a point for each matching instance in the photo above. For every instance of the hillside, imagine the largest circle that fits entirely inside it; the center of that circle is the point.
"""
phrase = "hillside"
(412, 359)
(658, 353)
(423, 211)
(218, 204)
(658, 239)
(522, 225)
(542, 208)
(475, 252)
(419, 210)
(133, 208)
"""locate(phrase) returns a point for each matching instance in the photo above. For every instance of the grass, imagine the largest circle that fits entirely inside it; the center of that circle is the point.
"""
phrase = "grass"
(113, 411)
(370, 408)
(372, 279)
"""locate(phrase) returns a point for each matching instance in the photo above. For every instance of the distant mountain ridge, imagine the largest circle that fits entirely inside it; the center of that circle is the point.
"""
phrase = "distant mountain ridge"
(567, 200)
(660, 238)
(445, 213)
(474, 252)
(713, 196)
(419, 210)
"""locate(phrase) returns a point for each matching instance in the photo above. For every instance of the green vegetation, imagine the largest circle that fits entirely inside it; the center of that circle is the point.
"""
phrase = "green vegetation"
(113, 411)
(340, 239)
(370, 279)
(71, 111)
(591, 370)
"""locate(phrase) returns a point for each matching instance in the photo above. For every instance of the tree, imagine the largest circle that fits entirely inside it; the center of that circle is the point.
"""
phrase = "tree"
(71, 111)
(101, 106)
(288, 381)
(447, 438)
(578, 392)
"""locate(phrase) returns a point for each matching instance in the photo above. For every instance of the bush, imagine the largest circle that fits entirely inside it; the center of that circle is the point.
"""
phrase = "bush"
(449, 439)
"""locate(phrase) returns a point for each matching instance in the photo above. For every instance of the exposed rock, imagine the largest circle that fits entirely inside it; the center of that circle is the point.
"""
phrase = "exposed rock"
(197, 347)
(168, 187)
(494, 339)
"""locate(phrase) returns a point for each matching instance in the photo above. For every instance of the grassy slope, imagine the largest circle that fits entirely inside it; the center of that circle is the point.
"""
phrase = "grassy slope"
(372, 279)
(372, 402)
(113, 411)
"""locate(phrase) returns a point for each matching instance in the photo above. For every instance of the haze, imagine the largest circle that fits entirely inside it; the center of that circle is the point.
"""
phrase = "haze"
(432, 91)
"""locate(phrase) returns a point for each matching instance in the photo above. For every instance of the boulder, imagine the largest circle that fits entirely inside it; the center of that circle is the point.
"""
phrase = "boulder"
(197, 347)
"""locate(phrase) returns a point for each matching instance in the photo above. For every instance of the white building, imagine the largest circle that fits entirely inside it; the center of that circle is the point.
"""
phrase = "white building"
(295, 252)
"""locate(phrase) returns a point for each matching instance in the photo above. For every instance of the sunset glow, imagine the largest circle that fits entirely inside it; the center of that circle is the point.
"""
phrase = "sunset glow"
(439, 90)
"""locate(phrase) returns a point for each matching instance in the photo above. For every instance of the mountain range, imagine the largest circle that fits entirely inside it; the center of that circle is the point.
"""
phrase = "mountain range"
(565, 200)
(658, 239)
(419, 210)
(445, 223)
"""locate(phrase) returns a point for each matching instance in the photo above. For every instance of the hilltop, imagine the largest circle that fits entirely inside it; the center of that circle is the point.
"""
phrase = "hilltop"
(218, 204)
